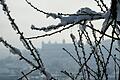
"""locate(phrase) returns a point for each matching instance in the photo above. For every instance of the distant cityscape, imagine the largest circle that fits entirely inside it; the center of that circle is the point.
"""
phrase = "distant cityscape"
(54, 58)
(52, 55)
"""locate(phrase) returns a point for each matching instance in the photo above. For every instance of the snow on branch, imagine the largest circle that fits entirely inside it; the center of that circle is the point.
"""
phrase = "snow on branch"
(84, 14)
(88, 15)
(81, 15)
(12, 49)
(53, 15)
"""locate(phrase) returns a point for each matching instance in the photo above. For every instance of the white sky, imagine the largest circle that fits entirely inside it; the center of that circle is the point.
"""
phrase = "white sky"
(25, 16)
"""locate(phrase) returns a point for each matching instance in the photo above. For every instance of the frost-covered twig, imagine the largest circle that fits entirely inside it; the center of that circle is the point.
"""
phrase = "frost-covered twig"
(75, 46)
(111, 46)
(25, 43)
(82, 66)
(25, 76)
(12, 49)
(41, 11)
(81, 45)
(16, 51)
(58, 15)
(49, 34)
(15, 27)
(46, 29)
(99, 5)
(59, 31)
(71, 56)
(37, 53)
(104, 5)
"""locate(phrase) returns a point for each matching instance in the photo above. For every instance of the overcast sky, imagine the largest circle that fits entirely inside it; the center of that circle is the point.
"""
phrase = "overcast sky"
(24, 16)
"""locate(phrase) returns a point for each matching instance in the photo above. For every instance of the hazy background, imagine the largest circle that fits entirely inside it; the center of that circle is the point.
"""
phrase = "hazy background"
(24, 16)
